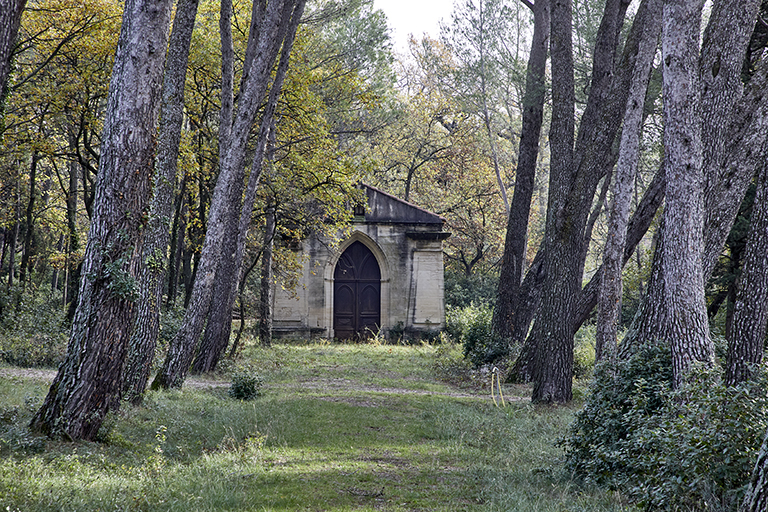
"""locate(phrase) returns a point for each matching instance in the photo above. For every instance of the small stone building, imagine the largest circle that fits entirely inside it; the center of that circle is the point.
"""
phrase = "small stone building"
(387, 277)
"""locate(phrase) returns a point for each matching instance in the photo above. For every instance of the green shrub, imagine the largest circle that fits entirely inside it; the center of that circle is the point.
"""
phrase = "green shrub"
(708, 439)
(471, 327)
(603, 443)
(246, 384)
(32, 329)
(689, 449)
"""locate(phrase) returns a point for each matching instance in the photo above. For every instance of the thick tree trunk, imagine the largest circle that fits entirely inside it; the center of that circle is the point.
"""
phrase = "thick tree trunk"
(10, 19)
(747, 339)
(89, 381)
(574, 176)
(269, 31)
(743, 150)
(554, 357)
(154, 257)
(508, 297)
(609, 302)
(686, 328)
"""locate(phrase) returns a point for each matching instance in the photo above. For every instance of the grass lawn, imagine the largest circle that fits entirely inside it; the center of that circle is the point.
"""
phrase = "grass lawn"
(338, 427)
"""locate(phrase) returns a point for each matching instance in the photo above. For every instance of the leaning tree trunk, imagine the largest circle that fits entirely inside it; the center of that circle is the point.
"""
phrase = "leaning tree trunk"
(609, 302)
(746, 343)
(154, 258)
(273, 26)
(89, 380)
(508, 297)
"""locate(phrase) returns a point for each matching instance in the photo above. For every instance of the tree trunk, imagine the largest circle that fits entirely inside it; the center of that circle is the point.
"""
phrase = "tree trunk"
(686, 328)
(747, 339)
(29, 219)
(609, 302)
(10, 19)
(265, 295)
(269, 31)
(89, 381)
(727, 175)
(508, 296)
(574, 176)
(154, 257)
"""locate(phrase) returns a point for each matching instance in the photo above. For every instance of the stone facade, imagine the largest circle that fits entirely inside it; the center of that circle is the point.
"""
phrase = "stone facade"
(386, 277)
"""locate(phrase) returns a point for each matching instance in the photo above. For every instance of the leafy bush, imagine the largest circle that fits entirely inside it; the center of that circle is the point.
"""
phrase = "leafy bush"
(708, 439)
(604, 443)
(689, 449)
(246, 384)
(471, 327)
(462, 291)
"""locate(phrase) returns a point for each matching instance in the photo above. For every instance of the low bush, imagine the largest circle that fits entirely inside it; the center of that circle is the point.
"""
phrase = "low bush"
(246, 384)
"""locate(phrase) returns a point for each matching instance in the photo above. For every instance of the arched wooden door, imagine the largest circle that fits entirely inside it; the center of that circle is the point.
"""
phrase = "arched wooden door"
(356, 293)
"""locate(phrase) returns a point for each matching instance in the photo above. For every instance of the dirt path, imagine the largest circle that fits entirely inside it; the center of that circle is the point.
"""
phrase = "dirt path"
(331, 385)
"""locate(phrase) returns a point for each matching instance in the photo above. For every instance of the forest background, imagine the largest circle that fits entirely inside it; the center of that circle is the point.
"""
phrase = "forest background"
(550, 177)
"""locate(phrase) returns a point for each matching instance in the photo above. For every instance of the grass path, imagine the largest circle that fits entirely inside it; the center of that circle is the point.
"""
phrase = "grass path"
(338, 428)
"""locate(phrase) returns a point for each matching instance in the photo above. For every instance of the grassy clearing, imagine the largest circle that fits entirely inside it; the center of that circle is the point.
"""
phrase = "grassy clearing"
(339, 427)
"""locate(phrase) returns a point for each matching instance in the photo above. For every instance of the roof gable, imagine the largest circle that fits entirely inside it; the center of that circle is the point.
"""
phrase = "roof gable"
(386, 208)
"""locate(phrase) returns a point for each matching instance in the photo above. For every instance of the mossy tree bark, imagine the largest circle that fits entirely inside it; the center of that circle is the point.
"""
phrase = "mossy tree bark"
(154, 259)
(88, 383)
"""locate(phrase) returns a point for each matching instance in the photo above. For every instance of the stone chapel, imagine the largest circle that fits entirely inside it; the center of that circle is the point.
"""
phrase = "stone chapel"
(385, 278)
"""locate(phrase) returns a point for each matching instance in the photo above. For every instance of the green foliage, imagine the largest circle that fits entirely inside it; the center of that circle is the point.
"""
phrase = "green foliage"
(603, 443)
(689, 449)
(246, 384)
(584, 352)
(462, 290)
(32, 331)
(707, 442)
(471, 327)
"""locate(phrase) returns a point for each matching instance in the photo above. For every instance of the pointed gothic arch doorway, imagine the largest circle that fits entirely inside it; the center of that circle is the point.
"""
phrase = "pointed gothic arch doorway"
(356, 293)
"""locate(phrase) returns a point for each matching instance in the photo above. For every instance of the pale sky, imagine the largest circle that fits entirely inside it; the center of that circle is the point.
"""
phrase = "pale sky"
(415, 17)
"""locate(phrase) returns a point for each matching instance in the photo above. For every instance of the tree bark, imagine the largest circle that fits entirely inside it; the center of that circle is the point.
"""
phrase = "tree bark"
(574, 176)
(686, 328)
(29, 219)
(154, 258)
(609, 302)
(88, 383)
(265, 295)
(747, 120)
(10, 20)
(750, 315)
(269, 32)
(508, 296)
